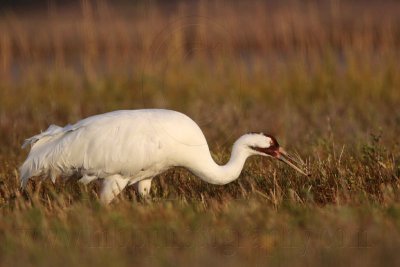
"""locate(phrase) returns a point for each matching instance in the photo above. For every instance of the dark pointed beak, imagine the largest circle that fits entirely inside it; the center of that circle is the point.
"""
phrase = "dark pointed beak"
(282, 155)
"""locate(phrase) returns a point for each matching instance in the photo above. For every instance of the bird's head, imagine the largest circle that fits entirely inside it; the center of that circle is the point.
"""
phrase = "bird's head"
(267, 145)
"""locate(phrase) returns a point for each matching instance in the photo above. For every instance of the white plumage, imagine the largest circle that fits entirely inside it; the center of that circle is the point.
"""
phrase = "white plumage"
(132, 146)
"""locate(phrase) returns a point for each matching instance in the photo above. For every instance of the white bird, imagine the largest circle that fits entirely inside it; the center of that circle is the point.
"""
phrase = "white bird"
(132, 146)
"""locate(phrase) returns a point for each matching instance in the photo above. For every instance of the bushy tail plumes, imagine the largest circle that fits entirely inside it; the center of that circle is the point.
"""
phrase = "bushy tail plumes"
(27, 170)
(51, 131)
(34, 164)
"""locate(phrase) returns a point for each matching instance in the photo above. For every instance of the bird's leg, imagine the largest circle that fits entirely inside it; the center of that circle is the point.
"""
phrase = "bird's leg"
(87, 179)
(143, 187)
(112, 186)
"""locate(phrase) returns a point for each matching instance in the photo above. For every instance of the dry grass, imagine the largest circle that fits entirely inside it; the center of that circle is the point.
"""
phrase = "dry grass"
(322, 76)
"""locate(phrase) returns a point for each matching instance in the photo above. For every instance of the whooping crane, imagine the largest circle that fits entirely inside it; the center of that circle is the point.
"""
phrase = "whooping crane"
(132, 146)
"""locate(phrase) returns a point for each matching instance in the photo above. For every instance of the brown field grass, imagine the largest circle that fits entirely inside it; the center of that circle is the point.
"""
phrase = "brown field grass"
(323, 76)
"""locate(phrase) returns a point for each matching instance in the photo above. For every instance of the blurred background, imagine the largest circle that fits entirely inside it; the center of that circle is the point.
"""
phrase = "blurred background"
(297, 69)
(322, 76)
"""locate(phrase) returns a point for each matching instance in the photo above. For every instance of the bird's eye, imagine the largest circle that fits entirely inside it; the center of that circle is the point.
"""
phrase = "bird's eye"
(271, 143)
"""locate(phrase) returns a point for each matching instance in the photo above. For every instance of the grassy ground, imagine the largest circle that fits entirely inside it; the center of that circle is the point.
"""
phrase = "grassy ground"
(323, 77)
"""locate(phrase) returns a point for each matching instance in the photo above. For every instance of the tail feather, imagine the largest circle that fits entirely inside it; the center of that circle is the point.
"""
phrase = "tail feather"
(33, 165)
(27, 170)
(50, 132)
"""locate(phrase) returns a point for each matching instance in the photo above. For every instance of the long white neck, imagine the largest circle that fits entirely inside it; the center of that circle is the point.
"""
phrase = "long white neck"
(209, 171)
